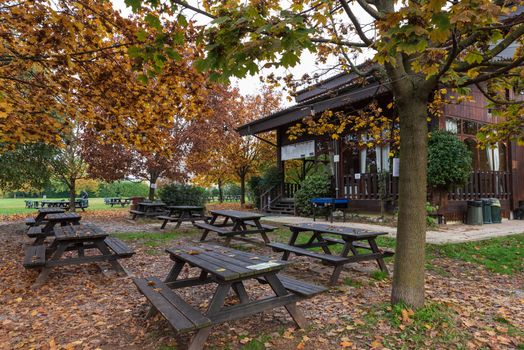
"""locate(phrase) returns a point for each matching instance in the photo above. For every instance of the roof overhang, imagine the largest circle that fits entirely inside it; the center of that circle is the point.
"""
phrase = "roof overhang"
(301, 111)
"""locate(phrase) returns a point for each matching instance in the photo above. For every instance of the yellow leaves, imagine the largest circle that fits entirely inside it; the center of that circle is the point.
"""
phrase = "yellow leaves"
(346, 343)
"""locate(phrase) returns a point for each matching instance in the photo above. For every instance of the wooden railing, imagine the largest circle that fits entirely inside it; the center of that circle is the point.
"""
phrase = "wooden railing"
(270, 196)
(482, 184)
(367, 187)
(290, 189)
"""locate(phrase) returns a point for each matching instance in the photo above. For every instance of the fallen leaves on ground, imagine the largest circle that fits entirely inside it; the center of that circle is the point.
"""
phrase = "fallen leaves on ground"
(90, 307)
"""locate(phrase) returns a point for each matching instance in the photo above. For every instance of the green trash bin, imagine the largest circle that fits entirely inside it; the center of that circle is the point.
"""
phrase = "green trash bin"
(486, 210)
(474, 215)
(496, 216)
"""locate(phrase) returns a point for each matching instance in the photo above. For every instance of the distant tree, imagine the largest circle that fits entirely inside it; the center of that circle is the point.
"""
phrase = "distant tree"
(26, 167)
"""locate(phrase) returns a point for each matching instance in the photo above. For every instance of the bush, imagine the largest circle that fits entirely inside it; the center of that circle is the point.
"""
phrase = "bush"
(260, 184)
(449, 161)
(181, 194)
(318, 185)
(123, 189)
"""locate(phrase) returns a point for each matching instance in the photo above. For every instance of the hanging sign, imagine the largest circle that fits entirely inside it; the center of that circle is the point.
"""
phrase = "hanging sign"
(152, 185)
(396, 167)
(298, 150)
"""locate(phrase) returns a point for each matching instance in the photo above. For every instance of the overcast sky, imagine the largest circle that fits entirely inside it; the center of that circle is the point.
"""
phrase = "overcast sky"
(252, 84)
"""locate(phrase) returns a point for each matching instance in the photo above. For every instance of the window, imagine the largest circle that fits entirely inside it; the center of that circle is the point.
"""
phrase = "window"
(470, 127)
(452, 125)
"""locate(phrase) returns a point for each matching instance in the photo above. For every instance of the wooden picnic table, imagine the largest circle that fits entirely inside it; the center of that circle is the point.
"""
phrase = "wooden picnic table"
(235, 223)
(42, 213)
(62, 203)
(181, 213)
(77, 238)
(148, 209)
(321, 235)
(62, 219)
(118, 201)
(228, 269)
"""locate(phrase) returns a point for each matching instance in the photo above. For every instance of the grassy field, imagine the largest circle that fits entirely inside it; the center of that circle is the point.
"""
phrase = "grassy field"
(11, 206)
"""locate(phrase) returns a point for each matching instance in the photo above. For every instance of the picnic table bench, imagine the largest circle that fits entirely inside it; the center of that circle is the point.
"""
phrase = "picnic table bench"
(62, 203)
(321, 236)
(228, 269)
(78, 238)
(235, 223)
(42, 213)
(148, 209)
(62, 219)
(181, 213)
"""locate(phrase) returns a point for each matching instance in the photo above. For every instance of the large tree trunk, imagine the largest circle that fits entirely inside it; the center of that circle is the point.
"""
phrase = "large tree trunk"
(72, 194)
(242, 190)
(408, 278)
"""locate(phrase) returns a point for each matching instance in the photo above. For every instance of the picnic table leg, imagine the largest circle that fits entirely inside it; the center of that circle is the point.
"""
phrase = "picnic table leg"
(293, 310)
(46, 270)
(102, 247)
(240, 291)
(164, 224)
(263, 234)
(380, 261)
(348, 246)
(198, 340)
(292, 240)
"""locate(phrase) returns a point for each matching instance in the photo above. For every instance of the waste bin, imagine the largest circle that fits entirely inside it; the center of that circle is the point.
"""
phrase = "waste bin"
(496, 217)
(474, 216)
(486, 210)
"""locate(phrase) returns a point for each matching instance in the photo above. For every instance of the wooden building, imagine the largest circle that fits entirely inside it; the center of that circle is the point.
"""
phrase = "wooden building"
(498, 171)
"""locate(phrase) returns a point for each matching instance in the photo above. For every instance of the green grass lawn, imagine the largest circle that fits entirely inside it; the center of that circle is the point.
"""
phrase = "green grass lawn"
(11, 206)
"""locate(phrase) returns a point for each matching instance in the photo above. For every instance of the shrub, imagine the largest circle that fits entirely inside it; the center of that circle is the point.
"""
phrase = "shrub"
(123, 189)
(449, 161)
(257, 185)
(318, 185)
(182, 194)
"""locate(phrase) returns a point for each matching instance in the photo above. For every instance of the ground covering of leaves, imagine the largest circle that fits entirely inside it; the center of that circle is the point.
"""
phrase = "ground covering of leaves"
(90, 307)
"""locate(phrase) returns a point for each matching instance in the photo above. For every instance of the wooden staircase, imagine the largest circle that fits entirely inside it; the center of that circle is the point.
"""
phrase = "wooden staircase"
(282, 206)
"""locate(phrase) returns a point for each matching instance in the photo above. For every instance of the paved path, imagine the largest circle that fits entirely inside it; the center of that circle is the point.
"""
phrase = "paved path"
(453, 233)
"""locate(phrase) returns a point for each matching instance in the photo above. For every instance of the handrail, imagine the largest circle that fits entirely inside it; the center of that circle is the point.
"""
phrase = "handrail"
(269, 197)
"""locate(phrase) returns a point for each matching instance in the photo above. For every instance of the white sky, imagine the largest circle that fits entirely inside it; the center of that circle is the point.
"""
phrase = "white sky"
(251, 84)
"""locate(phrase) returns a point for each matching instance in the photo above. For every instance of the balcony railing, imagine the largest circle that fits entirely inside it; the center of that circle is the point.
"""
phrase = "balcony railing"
(482, 184)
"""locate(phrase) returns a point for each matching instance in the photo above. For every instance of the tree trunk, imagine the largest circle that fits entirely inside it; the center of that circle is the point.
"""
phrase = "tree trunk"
(72, 194)
(408, 277)
(220, 192)
(242, 191)
(152, 182)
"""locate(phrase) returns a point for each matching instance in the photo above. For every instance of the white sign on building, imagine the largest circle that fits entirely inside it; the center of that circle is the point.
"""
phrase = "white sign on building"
(298, 150)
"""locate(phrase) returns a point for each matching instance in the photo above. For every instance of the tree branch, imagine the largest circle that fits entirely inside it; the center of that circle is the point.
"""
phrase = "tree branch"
(494, 73)
(497, 101)
(370, 10)
(355, 22)
(193, 8)
(338, 42)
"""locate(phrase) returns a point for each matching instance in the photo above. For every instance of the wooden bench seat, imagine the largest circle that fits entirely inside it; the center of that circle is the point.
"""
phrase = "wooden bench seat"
(135, 213)
(264, 226)
(385, 251)
(30, 221)
(119, 247)
(299, 287)
(166, 217)
(34, 256)
(34, 231)
(332, 259)
(217, 229)
(182, 316)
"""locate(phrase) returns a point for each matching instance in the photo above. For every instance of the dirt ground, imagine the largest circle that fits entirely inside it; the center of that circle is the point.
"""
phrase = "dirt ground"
(90, 307)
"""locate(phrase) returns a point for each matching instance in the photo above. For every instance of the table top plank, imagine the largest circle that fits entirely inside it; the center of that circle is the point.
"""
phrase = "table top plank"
(63, 216)
(51, 210)
(78, 232)
(224, 263)
(185, 207)
(237, 214)
(152, 204)
(337, 230)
